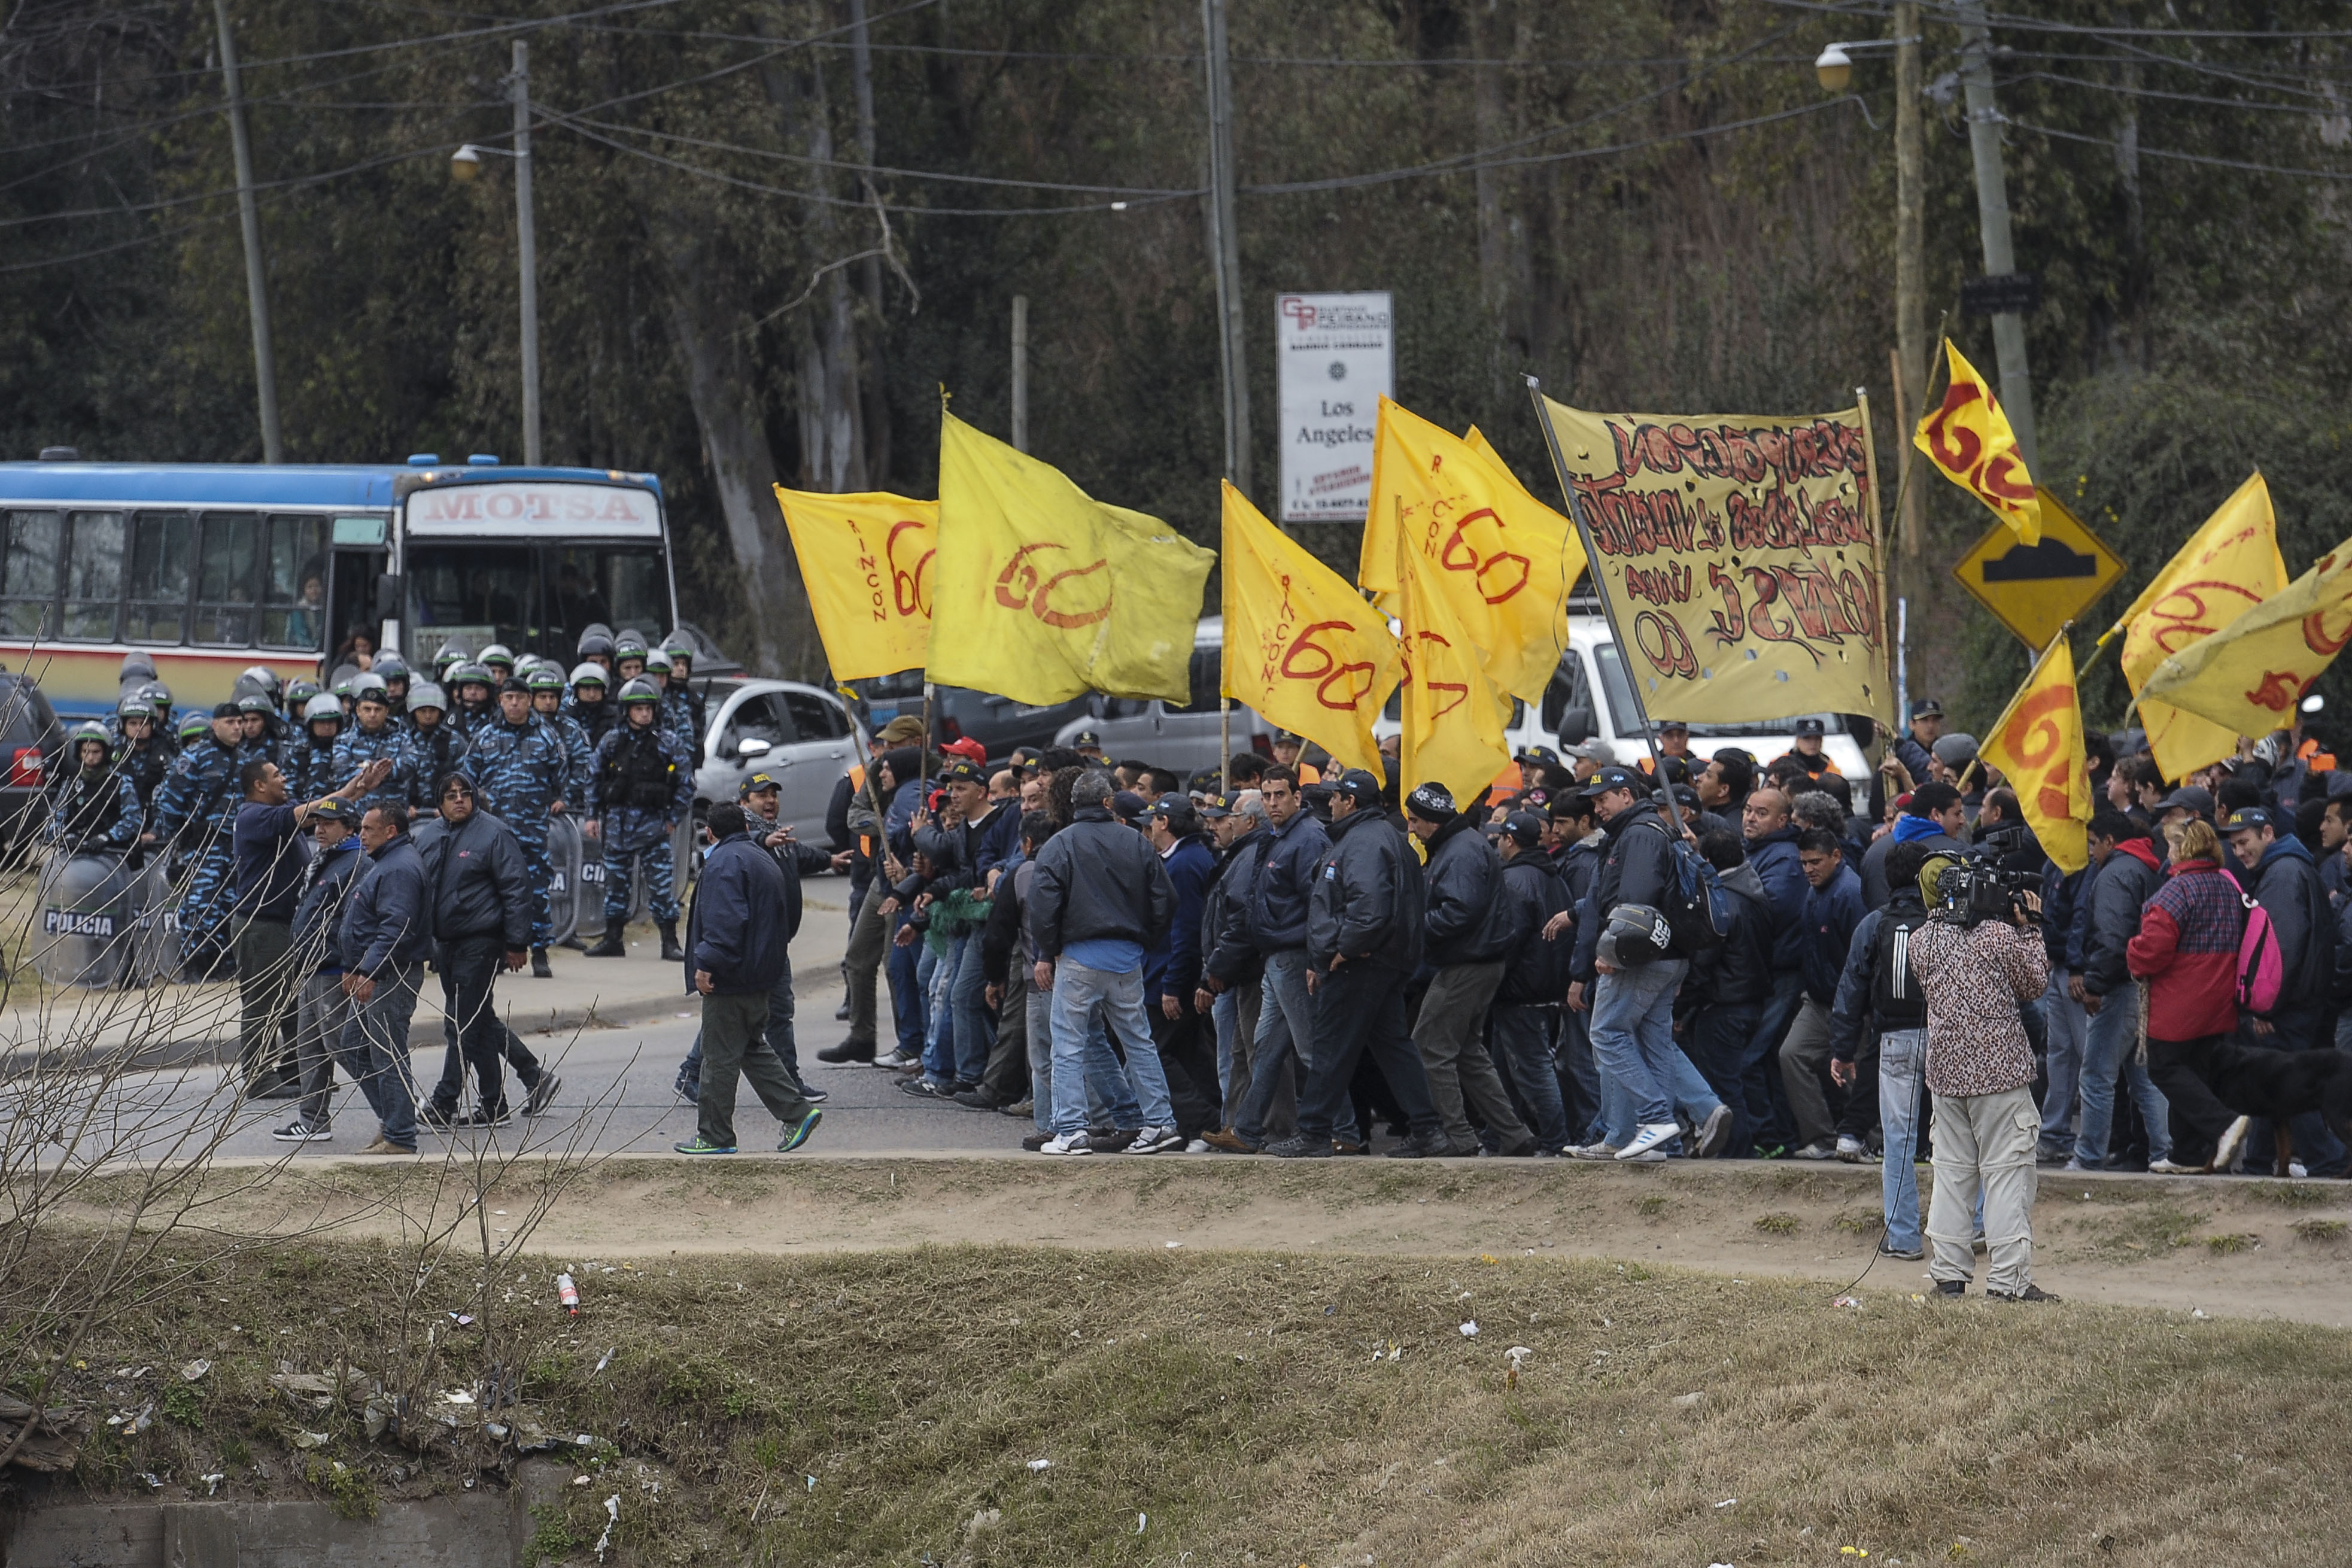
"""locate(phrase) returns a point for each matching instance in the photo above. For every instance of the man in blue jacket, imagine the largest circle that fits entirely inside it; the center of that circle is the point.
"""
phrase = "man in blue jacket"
(387, 934)
(735, 950)
(1832, 910)
(320, 1008)
(1770, 840)
(1467, 930)
(1286, 867)
(1171, 970)
(482, 901)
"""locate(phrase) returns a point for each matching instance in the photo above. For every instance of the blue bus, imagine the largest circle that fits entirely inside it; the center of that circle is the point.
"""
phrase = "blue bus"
(211, 568)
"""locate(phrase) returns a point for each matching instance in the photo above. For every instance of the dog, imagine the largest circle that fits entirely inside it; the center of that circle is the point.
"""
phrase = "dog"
(2254, 1081)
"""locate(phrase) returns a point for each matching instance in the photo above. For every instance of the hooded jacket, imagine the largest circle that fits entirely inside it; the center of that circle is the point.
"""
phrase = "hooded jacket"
(1368, 898)
(2119, 893)
(1921, 830)
(2186, 951)
(1536, 973)
(1097, 879)
(327, 881)
(1855, 1016)
(2285, 882)
(1739, 972)
(1467, 919)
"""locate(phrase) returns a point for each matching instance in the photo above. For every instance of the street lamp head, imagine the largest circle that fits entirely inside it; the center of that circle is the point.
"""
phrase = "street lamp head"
(466, 164)
(1834, 68)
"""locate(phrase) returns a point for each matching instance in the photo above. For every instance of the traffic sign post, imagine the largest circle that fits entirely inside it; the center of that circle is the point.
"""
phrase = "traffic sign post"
(2034, 590)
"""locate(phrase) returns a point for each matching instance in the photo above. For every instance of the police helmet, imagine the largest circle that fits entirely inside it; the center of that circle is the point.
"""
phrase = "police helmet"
(542, 678)
(629, 643)
(425, 694)
(590, 675)
(597, 639)
(496, 654)
(469, 674)
(639, 689)
(322, 706)
(300, 693)
(134, 705)
(158, 693)
(676, 647)
(454, 651)
(262, 678)
(656, 662)
(370, 688)
(136, 666)
(255, 702)
(197, 725)
(87, 730)
(389, 665)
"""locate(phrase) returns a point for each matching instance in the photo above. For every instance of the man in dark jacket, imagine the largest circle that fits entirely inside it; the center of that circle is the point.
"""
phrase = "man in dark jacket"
(482, 903)
(1881, 1012)
(1576, 847)
(2284, 879)
(1098, 901)
(1364, 935)
(736, 949)
(1770, 840)
(1634, 994)
(2124, 875)
(1832, 910)
(1277, 921)
(387, 935)
(1230, 975)
(1729, 988)
(1535, 977)
(1468, 932)
(1171, 970)
(1934, 820)
(320, 1007)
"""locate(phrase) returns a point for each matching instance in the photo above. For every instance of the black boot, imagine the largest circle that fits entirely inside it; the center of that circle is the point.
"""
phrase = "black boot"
(671, 952)
(539, 963)
(610, 945)
(575, 943)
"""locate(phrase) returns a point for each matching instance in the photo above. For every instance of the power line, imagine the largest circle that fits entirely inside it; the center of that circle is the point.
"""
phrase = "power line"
(2145, 151)
(1875, 9)
(2118, 89)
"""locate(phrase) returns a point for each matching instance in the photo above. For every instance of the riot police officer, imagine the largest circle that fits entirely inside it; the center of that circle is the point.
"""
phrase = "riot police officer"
(628, 654)
(586, 705)
(375, 735)
(546, 683)
(194, 813)
(393, 670)
(258, 712)
(682, 673)
(596, 648)
(641, 788)
(434, 747)
(142, 755)
(470, 684)
(310, 766)
(97, 806)
(520, 765)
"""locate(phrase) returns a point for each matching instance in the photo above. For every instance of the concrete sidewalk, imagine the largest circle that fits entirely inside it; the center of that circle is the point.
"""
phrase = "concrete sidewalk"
(167, 1025)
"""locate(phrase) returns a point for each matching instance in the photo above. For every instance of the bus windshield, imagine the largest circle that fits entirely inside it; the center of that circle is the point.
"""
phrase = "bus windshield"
(534, 598)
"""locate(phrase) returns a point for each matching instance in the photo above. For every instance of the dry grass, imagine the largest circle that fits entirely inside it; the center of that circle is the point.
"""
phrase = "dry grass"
(1274, 1409)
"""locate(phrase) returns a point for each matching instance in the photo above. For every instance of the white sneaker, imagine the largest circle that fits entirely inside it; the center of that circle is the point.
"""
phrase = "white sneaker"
(1648, 1136)
(1714, 1134)
(1850, 1148)
(1156, 1141)
(1820, 1148)
(2168, 1168)
(1592, 1152)
(2076, 1166)
(1070, 1143)
(1197, 1146)
(2297, 1169)
(1646, 1157)
(2233, 1143)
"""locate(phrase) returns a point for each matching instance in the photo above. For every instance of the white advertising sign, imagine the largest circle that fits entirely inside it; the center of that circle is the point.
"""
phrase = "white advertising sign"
(532, 507)
(1337, 359)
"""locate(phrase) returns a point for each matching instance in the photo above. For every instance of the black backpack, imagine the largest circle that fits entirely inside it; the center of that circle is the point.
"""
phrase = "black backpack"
(1895, 993)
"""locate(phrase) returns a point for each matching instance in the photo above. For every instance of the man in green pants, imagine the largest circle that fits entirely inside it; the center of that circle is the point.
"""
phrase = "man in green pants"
(735, 951)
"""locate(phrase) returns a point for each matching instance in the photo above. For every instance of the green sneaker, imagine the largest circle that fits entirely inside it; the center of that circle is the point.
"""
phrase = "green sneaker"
(702, 1147)
(799, 1132)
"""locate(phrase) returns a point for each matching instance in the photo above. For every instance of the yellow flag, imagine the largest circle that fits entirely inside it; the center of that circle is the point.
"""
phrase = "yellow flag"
(1502, 560)
(2248, 677)
(1968, 437)
(1301, 646)
(2229, 566)
(1042, 593)
(867, 560)
(1453, 714)
(2038, 744)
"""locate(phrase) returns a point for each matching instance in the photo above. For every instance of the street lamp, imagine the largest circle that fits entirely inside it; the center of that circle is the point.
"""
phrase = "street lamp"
(1835, 68)
(465, 167)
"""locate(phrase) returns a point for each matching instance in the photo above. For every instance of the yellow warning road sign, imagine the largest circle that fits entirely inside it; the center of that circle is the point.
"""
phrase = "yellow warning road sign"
(2035, 589)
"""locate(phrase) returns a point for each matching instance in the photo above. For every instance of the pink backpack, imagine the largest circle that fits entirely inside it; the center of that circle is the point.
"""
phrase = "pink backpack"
(2260, 968)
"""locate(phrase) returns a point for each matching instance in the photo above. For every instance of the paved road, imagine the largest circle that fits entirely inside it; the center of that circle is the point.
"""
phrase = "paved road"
(615, 1091)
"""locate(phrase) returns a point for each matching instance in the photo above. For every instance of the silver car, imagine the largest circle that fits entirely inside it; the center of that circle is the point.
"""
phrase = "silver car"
(802, 735)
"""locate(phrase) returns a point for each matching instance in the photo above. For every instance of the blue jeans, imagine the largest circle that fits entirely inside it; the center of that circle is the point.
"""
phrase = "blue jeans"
(1633, 1036)
(2111, 1048)
(913, 1018)
(1768, 1094)
(1579, 1080)
(374, 1050)
(1082, 996)
(1041, 1054)
(931, 973)
(1285, 1032)
(1687, 1088)
(1523, 1050)
(2069, 1029)
(968, 1001)
(1902, 1053)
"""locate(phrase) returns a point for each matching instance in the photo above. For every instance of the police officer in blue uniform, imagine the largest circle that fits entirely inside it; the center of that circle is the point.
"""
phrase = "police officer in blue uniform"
(641, 788)
(143, 753)
(97, 806)
(310, 767)
(373, 736)
(682, 673)
(434, 747)
(520, 765)
(586, 705)
(194, 813)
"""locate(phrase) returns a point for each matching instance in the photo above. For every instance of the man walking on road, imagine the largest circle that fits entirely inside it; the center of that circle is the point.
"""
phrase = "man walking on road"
(1467, 933)
(482, 902)
(735, 953)
(320, 1007)
(1363, 941)
(386, 937)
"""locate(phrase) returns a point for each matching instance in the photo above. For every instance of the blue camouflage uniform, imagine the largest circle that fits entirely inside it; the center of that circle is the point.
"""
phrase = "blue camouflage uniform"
(641, 787)
(309, 768)
(433, 755)
(96, 811)
(522, 770)
(578, 753)
(355, 749)
(197, 807)
(676, 714)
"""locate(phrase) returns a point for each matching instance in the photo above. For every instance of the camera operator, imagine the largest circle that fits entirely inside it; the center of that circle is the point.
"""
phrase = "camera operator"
(1977, 959)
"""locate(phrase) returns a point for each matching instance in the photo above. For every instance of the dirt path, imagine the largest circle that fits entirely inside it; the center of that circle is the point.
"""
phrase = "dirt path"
(2240, 1248)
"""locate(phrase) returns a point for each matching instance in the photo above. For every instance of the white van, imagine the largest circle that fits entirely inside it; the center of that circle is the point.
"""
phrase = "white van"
(1570, 716)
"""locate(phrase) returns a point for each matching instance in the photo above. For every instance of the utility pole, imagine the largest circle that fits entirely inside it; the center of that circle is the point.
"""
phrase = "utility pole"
(1225, 246)
(1910, 276)
(527, 244)
(1992, 216)
(257, 278)
(1020, 373)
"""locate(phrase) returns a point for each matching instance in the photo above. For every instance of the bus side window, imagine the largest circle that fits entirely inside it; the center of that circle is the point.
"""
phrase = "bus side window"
(93, 576)
(296, 594)
(156, 608)
(227, 569)
(28, 574)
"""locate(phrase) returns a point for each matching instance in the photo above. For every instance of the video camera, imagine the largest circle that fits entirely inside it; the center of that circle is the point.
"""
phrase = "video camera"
(1975, 888)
